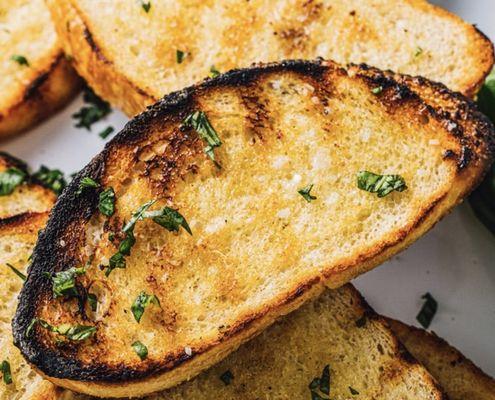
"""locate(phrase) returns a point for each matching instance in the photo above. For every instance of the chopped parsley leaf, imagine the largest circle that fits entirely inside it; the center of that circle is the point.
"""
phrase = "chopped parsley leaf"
(168, 218)
(106, 202)
(199, 122)
(377, 90)
(7, 375)
(87, 183)
(118, 259)
(320, 387)
(93, 111)
(106, 132)
(418, 51)
(10, 179)
(179, 56)
(17, 272)
(146, 6)
(306, 193)
(64, 282)
(142, 301)
(51, 178)
(138, 216)
(428, 311)
(214, 72)
(72, 332)
(21, 60)
(140, 349)
(227, 377)
(380, 184)
(353, 391)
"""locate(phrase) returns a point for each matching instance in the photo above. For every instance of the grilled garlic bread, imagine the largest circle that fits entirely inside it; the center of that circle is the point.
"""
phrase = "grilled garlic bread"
(18, 235)
(18, 193)
(459, 377)
(35, 76)
(339, 330)
(270, 183)
(134, 53)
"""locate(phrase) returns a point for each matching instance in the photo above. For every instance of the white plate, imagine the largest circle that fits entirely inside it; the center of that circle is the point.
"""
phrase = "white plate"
(455, 262)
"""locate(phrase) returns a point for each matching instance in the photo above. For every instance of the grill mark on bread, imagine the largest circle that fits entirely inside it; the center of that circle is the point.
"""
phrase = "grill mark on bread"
(73, 211)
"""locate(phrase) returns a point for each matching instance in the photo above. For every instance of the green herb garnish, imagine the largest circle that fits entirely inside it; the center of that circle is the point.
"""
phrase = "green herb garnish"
(168, 218)
(377, 90)
(64, 282)
(140, 349)
(179, 56)
(21, 60)
(94, 110)
(138, 216)
(428, 311)
(118, 259)
(146, 6)
(353, 391)
(92, 301)
(106, 203)
(199, 122)
(87, 183)
(10, 179)
(106, 132)
(320, 387)
(214, 72)
(7, 375)
(142, 301)
(71, 332)
(418, 51)
(227, 377)
(380, 184)
(51, 178)
(17, 272)
(306, 193)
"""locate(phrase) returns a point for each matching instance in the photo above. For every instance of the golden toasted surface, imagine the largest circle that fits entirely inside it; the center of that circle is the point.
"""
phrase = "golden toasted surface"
(132, 57)
(338, 330)
(27, 197)
(258, 249)
(17, 238)
(35, 77)
(459, 377)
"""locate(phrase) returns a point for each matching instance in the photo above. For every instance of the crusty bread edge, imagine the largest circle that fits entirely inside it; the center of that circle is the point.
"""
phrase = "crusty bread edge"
(71, 209)
(103, 76)
(442, 347)
(47, 93)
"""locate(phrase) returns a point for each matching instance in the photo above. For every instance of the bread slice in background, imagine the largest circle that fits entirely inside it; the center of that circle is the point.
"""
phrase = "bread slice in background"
(258, 249)
(18, 235)
(338, 329)
(26, 197)
(459, 377)
(31, 92)
(129, 55)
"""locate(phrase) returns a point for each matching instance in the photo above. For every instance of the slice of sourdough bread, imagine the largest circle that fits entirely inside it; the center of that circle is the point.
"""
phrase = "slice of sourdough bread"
(28, 196)
(459, 377)
(263, 239)
(132, 55)
(339, 330)
(35, 76)
(18, 235)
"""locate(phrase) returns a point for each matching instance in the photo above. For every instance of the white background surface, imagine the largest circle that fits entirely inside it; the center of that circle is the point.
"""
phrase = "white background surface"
(455, 261)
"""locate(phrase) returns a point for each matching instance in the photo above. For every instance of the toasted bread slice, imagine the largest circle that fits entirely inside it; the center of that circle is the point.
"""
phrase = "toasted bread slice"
(35, 76)
(132, 56)
(18, 235)
(338, 329)
(26, 197)
(258, 249)
(459, 377)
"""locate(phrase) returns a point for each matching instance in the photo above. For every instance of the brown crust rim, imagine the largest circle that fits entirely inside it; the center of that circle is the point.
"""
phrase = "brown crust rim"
(71, 210)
